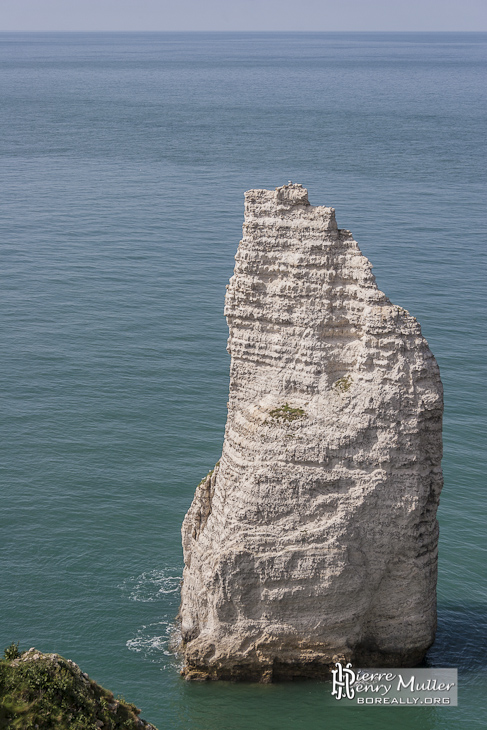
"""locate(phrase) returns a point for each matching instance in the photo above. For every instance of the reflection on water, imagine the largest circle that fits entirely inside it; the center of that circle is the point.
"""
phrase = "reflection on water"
(461, 639)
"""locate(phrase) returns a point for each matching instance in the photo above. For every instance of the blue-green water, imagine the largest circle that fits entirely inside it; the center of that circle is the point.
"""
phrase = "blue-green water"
(124, 158)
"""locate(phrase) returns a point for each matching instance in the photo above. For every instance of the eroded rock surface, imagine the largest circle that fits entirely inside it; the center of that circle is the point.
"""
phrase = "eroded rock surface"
(315, 537)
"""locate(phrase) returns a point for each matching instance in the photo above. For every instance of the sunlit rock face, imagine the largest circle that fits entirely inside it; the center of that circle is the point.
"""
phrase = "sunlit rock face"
(315, 537)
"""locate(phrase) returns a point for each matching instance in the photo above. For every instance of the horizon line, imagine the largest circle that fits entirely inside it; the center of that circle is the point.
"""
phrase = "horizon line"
(363, 32)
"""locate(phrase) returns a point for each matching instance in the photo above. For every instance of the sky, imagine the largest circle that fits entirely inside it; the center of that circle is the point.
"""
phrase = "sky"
(243, 15)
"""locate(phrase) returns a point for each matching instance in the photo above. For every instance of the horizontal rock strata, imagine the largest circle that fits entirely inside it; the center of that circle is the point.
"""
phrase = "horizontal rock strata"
(315, 537)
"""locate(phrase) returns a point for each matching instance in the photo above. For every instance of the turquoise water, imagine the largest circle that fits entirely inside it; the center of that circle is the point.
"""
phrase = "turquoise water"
(124, 158)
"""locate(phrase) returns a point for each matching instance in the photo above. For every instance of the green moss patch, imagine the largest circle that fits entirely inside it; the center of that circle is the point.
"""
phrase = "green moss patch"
(343, 384)
(286, 413)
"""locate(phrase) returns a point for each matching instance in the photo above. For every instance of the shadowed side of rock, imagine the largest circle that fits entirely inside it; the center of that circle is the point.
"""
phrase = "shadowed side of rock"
(315, 537)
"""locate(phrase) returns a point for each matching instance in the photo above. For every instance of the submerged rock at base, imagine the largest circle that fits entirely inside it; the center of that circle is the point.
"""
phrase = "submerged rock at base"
(315, 537)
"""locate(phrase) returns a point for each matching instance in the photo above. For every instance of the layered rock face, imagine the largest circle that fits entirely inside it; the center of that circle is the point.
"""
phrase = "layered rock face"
(315, 537)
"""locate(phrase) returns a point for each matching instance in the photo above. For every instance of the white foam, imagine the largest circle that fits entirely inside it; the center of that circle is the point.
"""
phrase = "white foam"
(154, 642)
(152, 585)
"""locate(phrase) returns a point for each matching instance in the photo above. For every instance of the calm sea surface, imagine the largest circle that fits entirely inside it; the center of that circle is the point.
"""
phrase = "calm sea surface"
(124, 159)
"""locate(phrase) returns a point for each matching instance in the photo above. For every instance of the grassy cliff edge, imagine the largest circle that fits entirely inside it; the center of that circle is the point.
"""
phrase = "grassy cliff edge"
(43, 691)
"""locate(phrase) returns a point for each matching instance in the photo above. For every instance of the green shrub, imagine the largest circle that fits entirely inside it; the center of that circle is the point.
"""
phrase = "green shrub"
(12, 652)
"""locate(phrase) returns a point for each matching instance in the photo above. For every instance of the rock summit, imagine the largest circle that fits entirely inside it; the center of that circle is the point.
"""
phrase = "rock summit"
(315, 537)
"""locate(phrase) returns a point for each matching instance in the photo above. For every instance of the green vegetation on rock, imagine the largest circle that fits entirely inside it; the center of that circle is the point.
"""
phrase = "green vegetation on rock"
(210, 473)
(344, 384)
(286, 413)
(45, 691)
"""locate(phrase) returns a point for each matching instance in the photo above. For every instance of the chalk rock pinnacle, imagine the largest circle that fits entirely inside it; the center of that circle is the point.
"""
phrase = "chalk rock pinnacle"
(315, 537)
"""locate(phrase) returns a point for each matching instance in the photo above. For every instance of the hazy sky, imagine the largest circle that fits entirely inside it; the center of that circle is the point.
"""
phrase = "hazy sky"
(319, 15)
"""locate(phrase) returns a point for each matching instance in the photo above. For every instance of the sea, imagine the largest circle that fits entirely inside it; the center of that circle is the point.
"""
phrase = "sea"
(123, 163)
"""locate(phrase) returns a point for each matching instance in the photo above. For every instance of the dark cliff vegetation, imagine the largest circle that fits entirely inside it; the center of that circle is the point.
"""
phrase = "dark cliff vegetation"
(45, 691)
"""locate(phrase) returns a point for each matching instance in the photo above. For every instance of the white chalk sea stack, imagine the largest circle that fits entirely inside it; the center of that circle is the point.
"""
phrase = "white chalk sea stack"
(315, 537)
